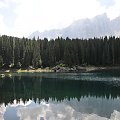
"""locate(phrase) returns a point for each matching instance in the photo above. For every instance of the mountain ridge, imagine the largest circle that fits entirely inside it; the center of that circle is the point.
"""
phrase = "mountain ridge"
(98, 26)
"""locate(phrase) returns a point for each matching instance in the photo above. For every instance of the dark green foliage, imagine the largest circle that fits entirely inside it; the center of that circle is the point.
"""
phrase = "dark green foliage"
(1, 61)
(22, 53)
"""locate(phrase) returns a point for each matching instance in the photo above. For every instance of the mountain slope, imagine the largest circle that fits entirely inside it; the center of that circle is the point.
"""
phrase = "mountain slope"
(98, 26)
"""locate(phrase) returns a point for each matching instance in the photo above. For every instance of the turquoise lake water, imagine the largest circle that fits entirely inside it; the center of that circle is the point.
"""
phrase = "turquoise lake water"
(60, 96)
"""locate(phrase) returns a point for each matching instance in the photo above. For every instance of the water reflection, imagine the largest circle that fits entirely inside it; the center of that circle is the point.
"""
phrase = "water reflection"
(41, 87)
(53, 110)
(58, 96)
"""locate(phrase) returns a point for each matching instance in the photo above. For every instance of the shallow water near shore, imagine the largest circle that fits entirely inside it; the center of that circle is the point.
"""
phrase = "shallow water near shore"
(60, 96)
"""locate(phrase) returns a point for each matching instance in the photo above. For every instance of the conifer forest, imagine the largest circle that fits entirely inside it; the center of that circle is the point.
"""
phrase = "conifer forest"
(23, 52)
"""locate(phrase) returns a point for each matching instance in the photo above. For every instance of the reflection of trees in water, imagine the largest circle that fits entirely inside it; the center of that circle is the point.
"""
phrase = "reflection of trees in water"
(26, 88)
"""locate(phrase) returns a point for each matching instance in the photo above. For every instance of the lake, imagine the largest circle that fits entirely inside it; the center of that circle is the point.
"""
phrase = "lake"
(60, 96)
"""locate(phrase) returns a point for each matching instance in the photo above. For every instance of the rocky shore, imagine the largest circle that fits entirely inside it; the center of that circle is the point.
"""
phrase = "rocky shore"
(59, 69)
(68, 69)
(82, 69)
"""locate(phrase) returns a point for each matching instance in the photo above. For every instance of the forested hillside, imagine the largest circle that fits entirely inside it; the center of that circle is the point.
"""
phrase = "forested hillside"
(22, 53)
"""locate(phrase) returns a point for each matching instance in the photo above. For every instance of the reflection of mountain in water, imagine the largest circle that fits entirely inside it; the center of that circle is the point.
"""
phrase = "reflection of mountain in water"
(41, 87)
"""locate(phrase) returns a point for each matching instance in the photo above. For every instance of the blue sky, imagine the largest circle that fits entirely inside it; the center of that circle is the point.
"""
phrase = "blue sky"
(22, 17)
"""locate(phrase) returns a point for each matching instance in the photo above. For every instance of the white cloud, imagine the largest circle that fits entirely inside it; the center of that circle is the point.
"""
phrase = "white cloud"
(43, 15)
(2, 111)
(114, 11)
(107, 3)
(7, 16)
(47, 14)
(59, 111)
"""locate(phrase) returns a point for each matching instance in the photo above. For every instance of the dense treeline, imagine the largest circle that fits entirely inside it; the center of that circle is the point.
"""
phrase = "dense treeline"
(23, 52)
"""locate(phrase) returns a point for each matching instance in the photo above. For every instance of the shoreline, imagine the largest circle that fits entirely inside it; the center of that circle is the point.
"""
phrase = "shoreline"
(25, 70)
(87, 69)
(60, 69)
(34, 70)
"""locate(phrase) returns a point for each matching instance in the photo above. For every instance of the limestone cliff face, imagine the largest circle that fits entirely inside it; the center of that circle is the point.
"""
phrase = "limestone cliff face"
(98, 26)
